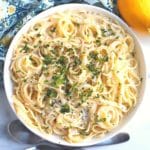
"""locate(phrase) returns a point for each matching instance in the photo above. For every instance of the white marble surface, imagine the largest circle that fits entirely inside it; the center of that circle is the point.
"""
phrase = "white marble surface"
(138, 128)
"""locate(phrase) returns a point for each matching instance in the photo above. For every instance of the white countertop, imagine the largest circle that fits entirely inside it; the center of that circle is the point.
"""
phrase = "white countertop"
(138, 127)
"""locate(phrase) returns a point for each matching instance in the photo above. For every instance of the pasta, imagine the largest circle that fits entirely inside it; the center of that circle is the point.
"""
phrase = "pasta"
(75, 75)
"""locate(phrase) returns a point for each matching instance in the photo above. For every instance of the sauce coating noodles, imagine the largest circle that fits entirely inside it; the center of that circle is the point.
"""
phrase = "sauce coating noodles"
(75, 75)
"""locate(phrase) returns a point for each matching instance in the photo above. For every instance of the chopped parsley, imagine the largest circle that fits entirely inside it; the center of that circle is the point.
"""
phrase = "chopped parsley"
(101, 88)
(95, 71)
(62, 60)
(85, 95)
(70, 89)
(103, 31)
(25, 48)
(117, 37)
(101, 120)
(38, 35)
(110, 32)
(84, 133)
(103, 59)
(44, 67)
(65, 108)
(98, 42)
(97, 96)
(46, 46)
(93, 55)
(77, 61)
(51, 93)
(58, 80)
(67, 90)
(107, 32)
(24, 80)
(46, 73)
(46, 81)
(77, 24)
(55, 52)
(48, 60)
(63, 70)
(33, 61)
(69, 49)
(18, 71)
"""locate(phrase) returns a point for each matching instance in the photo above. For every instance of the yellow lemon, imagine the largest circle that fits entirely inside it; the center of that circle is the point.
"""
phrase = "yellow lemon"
(136, 13)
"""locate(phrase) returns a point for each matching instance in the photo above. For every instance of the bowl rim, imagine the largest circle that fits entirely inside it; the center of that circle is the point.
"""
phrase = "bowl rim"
(48, 12)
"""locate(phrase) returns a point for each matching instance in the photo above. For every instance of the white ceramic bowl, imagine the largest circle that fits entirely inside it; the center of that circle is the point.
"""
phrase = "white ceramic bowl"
(139, 55)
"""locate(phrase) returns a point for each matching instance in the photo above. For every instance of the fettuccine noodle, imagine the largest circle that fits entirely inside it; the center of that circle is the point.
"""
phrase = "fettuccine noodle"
(75, 75)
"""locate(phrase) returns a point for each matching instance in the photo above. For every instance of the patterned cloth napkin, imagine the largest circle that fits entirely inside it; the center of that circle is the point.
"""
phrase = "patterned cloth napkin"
(15, 13)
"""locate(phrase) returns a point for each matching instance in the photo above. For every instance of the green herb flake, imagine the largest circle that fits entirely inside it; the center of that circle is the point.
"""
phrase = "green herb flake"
(101, 120)
(51, 93)
(58, 80)
(77, 24)
(46, 73)
(25, 48)
(69, 49)
(84, 133)
(103, 31)
(44, 67)
(48, 60)
(46, 46)
(24, 80)
(55, 52)
(85, 95)
(94, 70)
(110, 31)
(52, 102)
(38, 35)
(97, 96)
(117, 37)
(101, 88)
(79, 104)
(32, 61)
(46, 81)
(93, 55)
(65, 108)
(62, 60)
(18, 71)
(77, 61)
(103, 59)
(70, 89)
(98, 42)
(67, 90)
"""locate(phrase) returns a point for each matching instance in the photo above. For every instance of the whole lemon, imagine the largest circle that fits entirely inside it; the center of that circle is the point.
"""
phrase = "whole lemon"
(136, 13)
